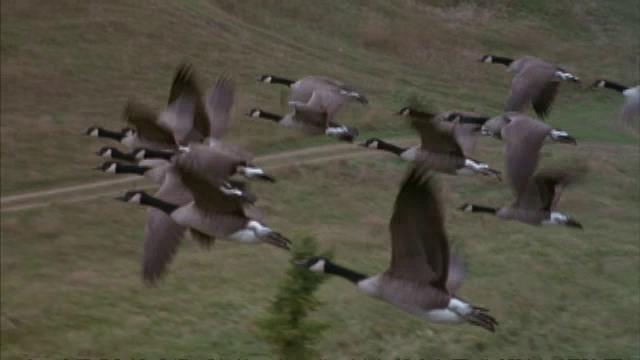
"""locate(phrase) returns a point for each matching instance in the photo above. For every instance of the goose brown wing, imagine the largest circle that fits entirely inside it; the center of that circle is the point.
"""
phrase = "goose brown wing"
(162, 234)
(178, 116)
(161, 240)
(523, 137)
(532, 86)
(208, 164)
(419, 247)
(144, 119)
(185, 82)
(218, 106)
(437, 137)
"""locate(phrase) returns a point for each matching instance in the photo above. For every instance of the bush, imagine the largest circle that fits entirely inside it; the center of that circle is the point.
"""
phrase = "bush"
(286, 327)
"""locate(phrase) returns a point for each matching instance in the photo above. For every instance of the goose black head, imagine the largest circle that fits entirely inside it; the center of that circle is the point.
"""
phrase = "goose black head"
(93, 131)
(371, 143)
(107, 151)
(254, 112)
(405, 111)
(133, 196)
(108, 166)
(266, 78)
(314, 263)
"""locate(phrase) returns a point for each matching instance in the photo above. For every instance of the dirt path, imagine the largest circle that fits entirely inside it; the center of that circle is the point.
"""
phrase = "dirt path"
(316, 154)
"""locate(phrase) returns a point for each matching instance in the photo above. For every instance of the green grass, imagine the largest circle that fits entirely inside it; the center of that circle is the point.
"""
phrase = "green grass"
(70, 273)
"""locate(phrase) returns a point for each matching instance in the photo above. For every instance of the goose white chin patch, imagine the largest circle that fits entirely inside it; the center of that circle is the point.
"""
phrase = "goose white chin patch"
(468, 208)
(255, 113)
(350, 93)
(470, 164)
(250, 171)
(107, 153)
(136, 198)
(318, 266)
(337, 130)
(555, 218)
(94, 132)
(112, 168)
(230, 190)
(556, 134)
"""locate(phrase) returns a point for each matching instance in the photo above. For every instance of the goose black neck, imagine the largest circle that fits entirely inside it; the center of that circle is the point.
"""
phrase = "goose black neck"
(157, 203)
(614, 86)
(421, 114)
(116, 135)
(116, 154)
(280, 80)
(483, 209)
(391, 148)
(270, 116)
(158, 154)
(334, 269)
(131, 169)
(501, 60)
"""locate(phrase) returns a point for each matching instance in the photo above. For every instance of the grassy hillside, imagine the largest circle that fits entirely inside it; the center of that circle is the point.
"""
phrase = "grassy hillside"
(69, 65)
(70, 273)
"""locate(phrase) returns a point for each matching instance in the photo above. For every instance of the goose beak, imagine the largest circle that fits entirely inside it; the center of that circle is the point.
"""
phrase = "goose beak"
(121, 198)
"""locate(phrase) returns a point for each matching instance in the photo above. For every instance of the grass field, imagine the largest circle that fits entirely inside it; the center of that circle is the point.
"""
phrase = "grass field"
(70, 273)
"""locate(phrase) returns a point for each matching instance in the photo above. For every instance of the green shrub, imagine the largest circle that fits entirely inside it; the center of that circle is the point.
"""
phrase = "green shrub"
(286, 326)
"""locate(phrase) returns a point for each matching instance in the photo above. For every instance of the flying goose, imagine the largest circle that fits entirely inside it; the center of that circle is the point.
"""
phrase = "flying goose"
(536, 196)
(215, 212)
(417, 280)
(535, 82)
(309, 121)
(302, 90)
(147, 131)
(463, 117)
(114, 153)
(495, 127)
(444, 147)
(631, 107)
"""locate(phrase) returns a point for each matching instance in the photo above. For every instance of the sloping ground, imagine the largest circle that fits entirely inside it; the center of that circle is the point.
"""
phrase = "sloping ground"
(70, 272)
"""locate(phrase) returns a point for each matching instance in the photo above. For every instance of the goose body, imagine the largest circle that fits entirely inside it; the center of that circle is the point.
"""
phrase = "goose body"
(536, 196)
(535, 82)
(445, 147)
(302, 90)
(309, 121)
(417, 280)
(495, 127)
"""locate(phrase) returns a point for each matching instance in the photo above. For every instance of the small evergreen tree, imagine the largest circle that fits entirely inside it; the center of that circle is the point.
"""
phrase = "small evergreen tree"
(285, 327)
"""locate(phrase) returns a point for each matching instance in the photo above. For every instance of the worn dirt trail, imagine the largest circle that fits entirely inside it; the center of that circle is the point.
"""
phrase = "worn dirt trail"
(77, 193)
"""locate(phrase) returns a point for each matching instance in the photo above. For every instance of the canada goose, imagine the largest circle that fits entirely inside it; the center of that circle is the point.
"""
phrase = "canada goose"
(444, 147)
(302, 90)
(631, 107)
(535, 82)
(417, 278)
(114, 153)
(215, 212)
(308, 121)
(463, 117)
(495, 127)
(536, 196)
